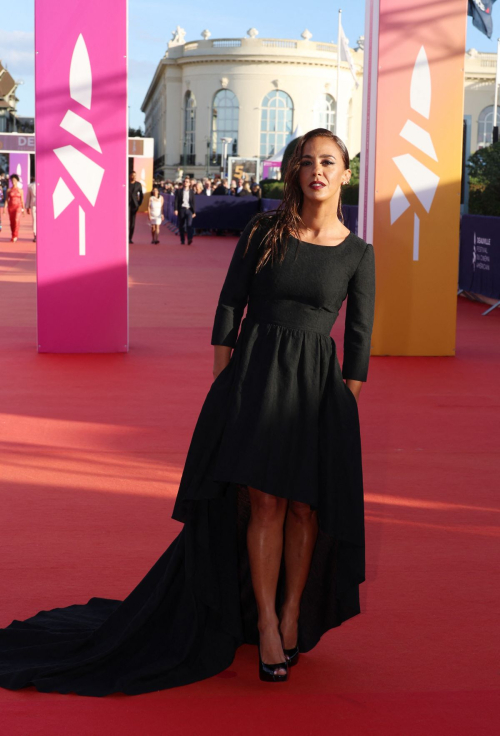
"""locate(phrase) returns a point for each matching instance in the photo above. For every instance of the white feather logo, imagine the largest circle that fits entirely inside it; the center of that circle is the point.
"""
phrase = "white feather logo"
(86, 174)
(422, 180)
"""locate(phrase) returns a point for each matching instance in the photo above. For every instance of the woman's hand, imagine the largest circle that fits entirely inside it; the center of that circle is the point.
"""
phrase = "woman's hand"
(222, 356)
(354, 387)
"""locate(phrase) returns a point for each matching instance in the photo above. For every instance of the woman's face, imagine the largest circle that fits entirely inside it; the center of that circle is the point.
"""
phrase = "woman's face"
(322, 171)
(156, 192)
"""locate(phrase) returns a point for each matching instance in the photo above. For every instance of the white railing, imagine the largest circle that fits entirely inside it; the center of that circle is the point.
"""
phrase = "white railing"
(226, 43)
(325, 47)
(277, 44)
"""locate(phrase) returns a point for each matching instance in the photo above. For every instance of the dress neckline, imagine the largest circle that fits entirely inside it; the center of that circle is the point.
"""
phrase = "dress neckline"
(318, 245)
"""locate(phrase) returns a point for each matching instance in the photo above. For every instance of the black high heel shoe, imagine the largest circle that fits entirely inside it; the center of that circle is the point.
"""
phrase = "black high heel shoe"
(292, 656)
(267, 671)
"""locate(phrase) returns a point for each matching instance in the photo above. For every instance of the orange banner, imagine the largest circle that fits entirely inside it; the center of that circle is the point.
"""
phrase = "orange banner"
(418, 149)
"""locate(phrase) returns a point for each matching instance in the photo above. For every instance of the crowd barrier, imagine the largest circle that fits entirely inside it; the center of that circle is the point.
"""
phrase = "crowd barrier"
(217, 212)
(479, 270)
(234, 213)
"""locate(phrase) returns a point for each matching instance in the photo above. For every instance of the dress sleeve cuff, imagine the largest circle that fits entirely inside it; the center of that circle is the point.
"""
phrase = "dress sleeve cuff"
(226, 325)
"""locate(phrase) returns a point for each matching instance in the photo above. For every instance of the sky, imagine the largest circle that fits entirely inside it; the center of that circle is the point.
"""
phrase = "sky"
(151, 24)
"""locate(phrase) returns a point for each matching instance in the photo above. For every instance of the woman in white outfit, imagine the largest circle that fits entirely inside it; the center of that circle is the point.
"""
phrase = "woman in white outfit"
(155, 211)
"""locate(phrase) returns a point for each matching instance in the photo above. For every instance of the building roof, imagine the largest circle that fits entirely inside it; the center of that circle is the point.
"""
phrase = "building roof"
(7, 82)
(252, 49)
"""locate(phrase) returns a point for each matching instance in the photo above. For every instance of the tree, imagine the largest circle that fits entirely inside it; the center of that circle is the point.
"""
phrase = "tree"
(484, 181)
(135, 133)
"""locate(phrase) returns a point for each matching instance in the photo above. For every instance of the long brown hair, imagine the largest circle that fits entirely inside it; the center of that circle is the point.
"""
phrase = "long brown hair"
(286, 220)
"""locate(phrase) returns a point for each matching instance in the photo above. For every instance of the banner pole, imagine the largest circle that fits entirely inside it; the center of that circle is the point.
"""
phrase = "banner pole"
(338, 77)
(497, 80)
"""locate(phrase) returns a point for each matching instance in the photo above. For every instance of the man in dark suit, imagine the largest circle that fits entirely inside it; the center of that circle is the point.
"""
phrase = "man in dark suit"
(184, 209)
(222, 188)
(135, 197)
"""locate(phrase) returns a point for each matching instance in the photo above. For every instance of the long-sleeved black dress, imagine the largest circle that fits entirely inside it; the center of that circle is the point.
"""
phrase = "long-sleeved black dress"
(278, 418)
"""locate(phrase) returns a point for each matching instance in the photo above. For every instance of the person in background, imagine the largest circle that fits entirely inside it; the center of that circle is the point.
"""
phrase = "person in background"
(256, 190)
(155, 212)
(31, 204)
(222, 188)
(3, 197)
(15, 205)
(245, 191)
(184, 209)
(232, 190)
(135, 197)
(207, 188)
(199, 188)
(239, 186)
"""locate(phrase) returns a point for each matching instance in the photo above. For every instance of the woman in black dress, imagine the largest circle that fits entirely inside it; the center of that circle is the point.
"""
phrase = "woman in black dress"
(271, 496)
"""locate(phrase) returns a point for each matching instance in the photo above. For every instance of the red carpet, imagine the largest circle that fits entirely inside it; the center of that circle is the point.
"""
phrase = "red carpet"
(92, 450)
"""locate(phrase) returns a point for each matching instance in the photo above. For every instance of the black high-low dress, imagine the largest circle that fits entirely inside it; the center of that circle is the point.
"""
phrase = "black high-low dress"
(278, 418)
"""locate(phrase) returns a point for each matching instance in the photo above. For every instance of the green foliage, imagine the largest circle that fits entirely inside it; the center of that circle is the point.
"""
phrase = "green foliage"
(350, 192)
(135, 133)
(484, 181)
(272, 189)
(354, 166)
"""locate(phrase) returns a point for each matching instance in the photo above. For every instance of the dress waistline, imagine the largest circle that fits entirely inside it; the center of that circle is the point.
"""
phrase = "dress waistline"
(294, 316)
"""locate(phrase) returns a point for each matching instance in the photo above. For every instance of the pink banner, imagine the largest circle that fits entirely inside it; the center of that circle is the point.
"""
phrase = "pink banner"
(81, 174)
(19, 163)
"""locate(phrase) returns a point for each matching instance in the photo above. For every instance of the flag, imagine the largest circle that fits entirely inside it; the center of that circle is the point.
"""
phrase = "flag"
(480, 10)
(345, 54)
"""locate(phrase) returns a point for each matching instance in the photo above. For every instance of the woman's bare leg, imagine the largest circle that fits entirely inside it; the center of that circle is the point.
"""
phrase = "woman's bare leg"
(301, 530)
(265, 549)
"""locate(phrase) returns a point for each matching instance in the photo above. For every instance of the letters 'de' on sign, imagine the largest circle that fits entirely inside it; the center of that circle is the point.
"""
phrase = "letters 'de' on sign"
(81, 175)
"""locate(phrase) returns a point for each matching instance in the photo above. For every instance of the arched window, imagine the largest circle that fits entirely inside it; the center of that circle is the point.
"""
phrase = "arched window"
(225, 116)
(188, 154)
(276, 121)
(325, 112)
(485, 126)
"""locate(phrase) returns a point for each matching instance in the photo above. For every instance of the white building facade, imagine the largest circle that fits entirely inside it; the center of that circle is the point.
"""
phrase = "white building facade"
(257, 91)
(480, 74)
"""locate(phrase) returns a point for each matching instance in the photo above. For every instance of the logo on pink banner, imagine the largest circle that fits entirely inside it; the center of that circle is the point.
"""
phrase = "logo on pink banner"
(81, 145)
